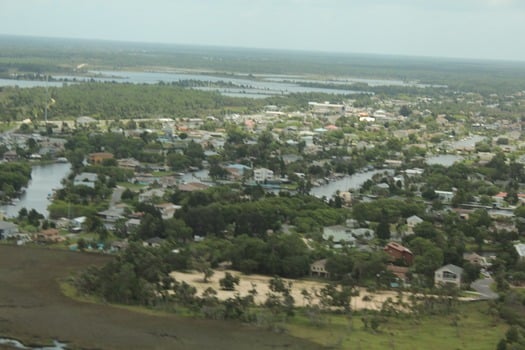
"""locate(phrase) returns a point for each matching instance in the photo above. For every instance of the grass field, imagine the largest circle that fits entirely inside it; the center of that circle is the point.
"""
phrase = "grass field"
(476, 330)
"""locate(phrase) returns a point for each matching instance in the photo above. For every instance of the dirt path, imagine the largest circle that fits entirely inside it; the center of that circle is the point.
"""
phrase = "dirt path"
(33, 310)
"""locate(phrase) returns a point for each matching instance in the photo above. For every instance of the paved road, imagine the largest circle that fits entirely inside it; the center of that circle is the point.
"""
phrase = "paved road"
(116, 195)
(482, 286)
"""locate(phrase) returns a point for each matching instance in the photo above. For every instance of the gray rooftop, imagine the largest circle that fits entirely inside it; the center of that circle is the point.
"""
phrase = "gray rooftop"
(452, 268)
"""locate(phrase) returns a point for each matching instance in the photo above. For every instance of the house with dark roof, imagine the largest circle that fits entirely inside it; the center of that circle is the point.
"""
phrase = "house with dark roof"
(154, 242)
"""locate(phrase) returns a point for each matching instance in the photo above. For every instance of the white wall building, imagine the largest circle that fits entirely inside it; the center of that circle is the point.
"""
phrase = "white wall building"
(262, 174)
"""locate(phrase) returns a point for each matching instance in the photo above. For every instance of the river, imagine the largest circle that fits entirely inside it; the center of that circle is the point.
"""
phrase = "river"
(242, 87)
(12, 343)
(44, 178)
(349, 182)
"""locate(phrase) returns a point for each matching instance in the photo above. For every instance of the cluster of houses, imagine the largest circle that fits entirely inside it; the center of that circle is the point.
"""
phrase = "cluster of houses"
(401, 259)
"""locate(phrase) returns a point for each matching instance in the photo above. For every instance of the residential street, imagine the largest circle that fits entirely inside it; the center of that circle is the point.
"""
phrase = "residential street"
(482, 286)
(115, 196)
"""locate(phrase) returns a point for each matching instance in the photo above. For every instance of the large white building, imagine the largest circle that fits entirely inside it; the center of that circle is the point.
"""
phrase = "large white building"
(262, 174)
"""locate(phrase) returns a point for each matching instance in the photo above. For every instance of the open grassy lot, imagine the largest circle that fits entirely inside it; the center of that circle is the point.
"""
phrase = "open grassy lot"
(34, 310)
(476, 330)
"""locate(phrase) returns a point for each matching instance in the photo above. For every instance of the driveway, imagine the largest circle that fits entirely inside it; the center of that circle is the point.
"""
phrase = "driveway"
(482, 286)
(116, 196)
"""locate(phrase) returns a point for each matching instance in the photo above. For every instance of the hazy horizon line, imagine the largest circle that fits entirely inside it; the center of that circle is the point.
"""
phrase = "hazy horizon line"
(295, 50)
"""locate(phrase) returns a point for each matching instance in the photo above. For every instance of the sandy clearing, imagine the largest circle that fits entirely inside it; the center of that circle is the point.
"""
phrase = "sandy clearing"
(373, 301)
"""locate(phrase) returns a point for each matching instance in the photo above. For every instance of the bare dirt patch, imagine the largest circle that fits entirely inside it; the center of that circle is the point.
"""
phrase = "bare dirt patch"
(365, 300)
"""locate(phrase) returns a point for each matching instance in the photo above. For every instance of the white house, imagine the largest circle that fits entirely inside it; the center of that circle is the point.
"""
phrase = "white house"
(167, 210)
(262, 174)
(445, 196)
(86, 179)
(8, 230)
(151, 194)
(448, 274)
(412, 221)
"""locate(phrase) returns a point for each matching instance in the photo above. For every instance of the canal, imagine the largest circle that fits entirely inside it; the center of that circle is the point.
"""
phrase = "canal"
(44, 178)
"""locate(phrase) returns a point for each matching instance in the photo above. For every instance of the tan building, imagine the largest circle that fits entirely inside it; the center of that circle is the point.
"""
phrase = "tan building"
(318, 268)
(99, 157)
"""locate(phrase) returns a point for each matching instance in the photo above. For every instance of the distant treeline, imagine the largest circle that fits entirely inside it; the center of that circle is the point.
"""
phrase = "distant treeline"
(127, 101)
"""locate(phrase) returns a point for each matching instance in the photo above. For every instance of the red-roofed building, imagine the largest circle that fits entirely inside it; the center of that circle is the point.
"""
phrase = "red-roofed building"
(397, 252)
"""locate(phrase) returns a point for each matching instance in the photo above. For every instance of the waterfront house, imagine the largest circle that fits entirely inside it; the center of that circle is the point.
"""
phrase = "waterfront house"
(85, 179)
(8, 230)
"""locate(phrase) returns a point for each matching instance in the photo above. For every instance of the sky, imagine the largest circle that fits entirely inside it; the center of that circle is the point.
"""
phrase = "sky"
(480, 29)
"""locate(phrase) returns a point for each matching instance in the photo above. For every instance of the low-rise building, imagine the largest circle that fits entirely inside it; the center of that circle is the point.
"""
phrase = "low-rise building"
(448, 274)
(148, 196)
(412, 222)
(397, 252)
(476, 259)
(318, 268)
(167, 210)
(99, 157)
(262, 175)
(85, 179)
(51, 235)
(8, 230)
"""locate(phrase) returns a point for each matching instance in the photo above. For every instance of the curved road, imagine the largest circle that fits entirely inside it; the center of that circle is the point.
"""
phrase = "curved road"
(482, 286)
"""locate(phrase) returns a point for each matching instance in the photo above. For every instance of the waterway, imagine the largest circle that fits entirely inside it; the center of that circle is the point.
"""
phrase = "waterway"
(241, 86)
(29, 83)
(19, 345)
(44, 178)
(348, 182)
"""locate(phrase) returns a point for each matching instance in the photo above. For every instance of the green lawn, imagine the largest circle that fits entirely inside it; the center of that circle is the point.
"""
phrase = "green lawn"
(476, 330)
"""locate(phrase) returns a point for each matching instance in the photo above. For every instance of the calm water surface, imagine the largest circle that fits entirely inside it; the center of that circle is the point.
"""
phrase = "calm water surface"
(349, 182)
(12, 343)
(44, 178)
